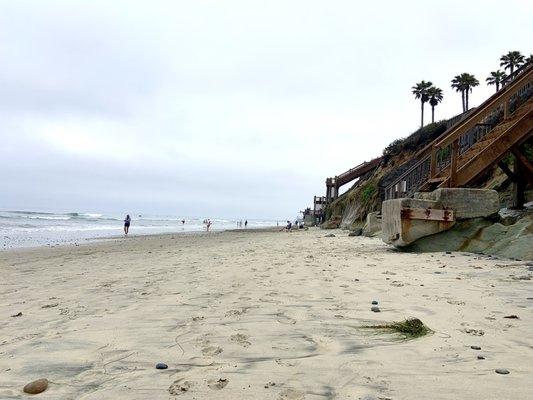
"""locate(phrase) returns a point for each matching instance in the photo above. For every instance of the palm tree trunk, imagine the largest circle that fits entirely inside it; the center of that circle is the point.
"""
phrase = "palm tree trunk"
(463, 99)
(497, 85)
(432, 114)
(421, 114)
(466, 99)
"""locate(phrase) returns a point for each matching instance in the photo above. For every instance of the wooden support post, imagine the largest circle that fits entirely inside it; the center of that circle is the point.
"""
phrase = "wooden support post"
(505, 108)
(519, 186)
(433, 163)
(525, 165)
(510, 174)
(335, 192)
(453, 163)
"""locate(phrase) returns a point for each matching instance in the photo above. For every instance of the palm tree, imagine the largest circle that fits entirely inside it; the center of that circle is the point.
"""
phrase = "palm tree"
(420, 91)
(511, 60)
(435, 97)
(470, 82)
(529, 60)
(495, 78)
(464, 83)
(459, 86)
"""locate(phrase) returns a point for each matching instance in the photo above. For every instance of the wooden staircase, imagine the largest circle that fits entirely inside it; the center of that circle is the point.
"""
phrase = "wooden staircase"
(498, 126)
(333, 184)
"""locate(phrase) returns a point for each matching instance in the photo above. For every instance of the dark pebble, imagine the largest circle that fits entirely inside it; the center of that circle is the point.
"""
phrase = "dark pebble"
(475, 347)
(375, 302)
(161, 366)
(480, 357)
(502, 371)
(36, 387)
(511, 316)
(375, 309)
(19, 314)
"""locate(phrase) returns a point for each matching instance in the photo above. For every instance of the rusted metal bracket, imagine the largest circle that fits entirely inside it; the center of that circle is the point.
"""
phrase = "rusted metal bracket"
(428, 214)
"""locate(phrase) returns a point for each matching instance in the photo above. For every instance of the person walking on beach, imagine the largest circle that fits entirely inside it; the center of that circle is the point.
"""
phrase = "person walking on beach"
(127, 222)
(208, 225)
(245, 224)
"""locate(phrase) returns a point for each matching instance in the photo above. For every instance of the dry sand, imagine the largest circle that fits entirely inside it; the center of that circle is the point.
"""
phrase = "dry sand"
(263, 315)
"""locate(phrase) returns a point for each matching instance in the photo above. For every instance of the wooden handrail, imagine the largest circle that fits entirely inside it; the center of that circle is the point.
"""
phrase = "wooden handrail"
(502, 96)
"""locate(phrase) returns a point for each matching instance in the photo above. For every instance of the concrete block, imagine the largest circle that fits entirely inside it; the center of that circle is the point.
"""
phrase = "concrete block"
(400, 231)
(466, 203)
(401, 228)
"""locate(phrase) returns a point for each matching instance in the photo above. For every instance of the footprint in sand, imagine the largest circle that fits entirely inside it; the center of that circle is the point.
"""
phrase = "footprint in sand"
(283, 319)
(235, 313)
(291, 394)
(178, 387)
(240, 339)
(217, 384)
(287, 363)
(211, 350)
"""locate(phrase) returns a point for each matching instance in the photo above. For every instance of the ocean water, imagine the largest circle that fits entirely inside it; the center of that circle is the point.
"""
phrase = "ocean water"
(31, 228)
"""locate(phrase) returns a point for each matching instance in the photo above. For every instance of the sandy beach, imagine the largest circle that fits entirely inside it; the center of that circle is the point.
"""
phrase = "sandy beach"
(262, 315)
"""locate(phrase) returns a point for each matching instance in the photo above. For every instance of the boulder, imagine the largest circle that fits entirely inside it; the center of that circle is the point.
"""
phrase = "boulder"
(356, 232)
(372, 225)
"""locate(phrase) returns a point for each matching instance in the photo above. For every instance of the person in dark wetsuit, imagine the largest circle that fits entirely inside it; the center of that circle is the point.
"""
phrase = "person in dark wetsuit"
(127, 222)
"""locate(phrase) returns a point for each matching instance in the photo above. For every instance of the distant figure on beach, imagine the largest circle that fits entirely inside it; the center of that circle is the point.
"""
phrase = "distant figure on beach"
(208, 225)
(288, 227)
(246, 224)
(183, 222)
(127, 222)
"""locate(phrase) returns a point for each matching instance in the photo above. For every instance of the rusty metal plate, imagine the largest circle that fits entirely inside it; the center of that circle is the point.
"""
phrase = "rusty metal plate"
(428, 214)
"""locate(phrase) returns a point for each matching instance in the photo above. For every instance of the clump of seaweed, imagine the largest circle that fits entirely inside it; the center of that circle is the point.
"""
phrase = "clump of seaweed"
(411, 328)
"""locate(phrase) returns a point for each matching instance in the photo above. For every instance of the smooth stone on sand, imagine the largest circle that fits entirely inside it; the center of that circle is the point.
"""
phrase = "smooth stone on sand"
(330, 235)
(480, 357)
(36, 387)
(375, 309)
(475, 347)
(375, 302)
(502, 371)
(161, 366)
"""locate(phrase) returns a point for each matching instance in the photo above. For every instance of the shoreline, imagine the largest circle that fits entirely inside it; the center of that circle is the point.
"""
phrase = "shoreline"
(88, 241)
(267, 315)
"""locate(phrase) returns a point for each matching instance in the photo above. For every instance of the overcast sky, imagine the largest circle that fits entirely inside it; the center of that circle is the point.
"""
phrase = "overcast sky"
(224, 108)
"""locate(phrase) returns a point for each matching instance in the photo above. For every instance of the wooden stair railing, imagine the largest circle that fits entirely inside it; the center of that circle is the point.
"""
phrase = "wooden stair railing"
(440, 161)
(497, 104)
(515, 133)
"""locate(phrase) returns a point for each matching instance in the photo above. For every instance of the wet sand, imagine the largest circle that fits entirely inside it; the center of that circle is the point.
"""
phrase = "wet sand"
(261, 315)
